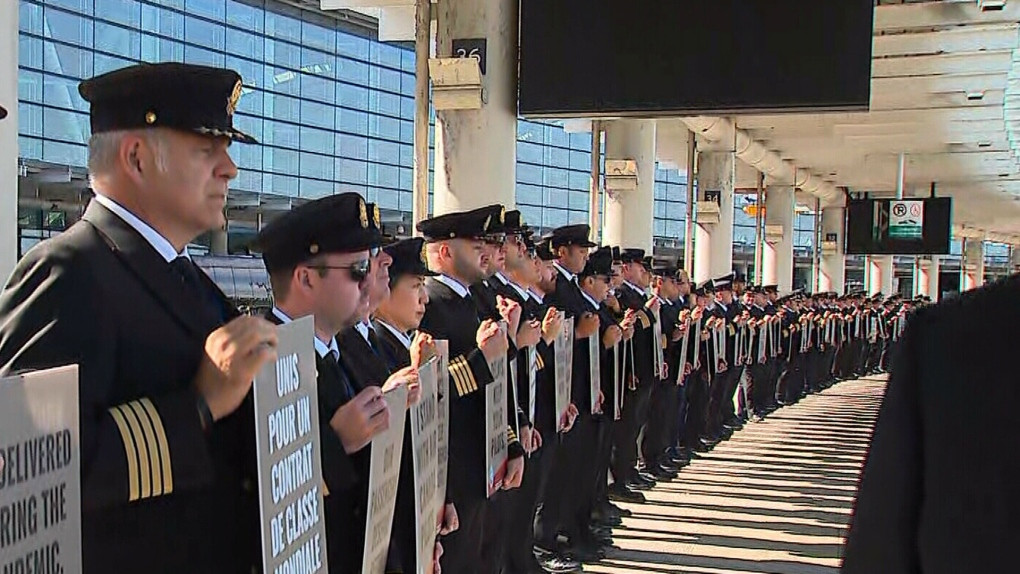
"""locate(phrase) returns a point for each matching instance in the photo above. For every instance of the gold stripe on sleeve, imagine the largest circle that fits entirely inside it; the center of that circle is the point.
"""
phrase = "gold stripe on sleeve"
(130, 452)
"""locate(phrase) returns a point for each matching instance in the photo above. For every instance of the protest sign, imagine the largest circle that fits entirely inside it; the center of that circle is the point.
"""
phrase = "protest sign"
(383, 479)
(425, 440)
(564, 355)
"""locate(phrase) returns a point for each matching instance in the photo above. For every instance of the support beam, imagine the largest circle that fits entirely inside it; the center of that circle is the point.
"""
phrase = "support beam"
(832, 268)
(476, 150)
(628, 217)
(8, 138)
(973, 265)
(218, 244)
(713, 242)
(879, 275)
(777, 251)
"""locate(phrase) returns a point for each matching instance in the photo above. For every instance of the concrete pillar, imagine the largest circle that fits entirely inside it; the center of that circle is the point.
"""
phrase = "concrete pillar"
(926, 277)
(8, 138)
(973, 265)
(218, 243)
(832, 267)
(1014, 259)
(879, 274)
(713, 242)
(777, 252)
(476, 150)
(628, 217)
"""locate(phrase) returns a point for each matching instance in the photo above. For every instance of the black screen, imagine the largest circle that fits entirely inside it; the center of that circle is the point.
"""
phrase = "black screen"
(868, 230)
(590, 58)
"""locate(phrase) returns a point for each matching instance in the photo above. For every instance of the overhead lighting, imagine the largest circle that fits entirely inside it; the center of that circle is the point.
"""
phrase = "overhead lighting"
(975, 96)
(984, 144)
(991, 5)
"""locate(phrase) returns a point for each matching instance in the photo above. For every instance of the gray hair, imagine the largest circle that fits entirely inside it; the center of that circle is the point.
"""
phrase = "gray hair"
(105, 147)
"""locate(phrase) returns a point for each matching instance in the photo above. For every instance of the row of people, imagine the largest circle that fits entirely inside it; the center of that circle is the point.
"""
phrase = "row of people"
(656, 372)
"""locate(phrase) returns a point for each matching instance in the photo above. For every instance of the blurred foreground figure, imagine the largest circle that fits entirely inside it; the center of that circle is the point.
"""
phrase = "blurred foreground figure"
(937, 496)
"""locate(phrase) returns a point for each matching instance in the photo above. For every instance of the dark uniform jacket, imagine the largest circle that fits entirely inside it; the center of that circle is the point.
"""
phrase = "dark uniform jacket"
(644, 366)
(939, 489)
(158, 493)
(450, 316)
(568, 298)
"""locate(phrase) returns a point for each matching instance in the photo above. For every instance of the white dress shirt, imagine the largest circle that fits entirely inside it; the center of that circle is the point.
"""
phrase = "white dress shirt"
(452, 283)
(158, 242)
(321, 347)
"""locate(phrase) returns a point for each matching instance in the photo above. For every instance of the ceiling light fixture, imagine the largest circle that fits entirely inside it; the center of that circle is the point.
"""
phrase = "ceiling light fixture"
(975, 96)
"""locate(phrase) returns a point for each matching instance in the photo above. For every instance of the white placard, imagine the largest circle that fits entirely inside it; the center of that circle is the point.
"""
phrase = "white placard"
(425, 453)
(495, 427)
(595, 368)
(383, 479)
(443, 413)
(564, 353)
(532, 382)
(40, 481)
(618, 376)
(289, 457)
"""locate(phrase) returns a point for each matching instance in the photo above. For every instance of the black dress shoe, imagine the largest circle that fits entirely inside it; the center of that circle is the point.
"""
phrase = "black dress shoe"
(555, 563)
(646, 477)
(620, 493)
(669, 465)
(624, 512)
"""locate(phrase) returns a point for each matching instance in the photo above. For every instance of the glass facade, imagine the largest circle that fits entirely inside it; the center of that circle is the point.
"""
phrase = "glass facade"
(332, 106)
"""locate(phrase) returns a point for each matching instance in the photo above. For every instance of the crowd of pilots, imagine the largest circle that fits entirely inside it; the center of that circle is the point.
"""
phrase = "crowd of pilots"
(166, 362)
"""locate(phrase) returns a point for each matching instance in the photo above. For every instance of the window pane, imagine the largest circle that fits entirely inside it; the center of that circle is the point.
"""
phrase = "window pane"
(82, 6)
(282, 107)
(30, 86)
(68, 154)
(165, 22)
(283, 26)
(212, 9)
(244, 16)
(66, 27)
(352, 171)
(352, 45)
(318, 88)
(281, 134)
(316, 166)
(316, 36)
(246, 45)
(204, 33)
(127, 12)
(383, 152)
(30, 120)
(319, 141)
(117, 40)
(352, 146)
(105, 64)
(160, 50)
(204, 57)
(317, 114)
(61, 92)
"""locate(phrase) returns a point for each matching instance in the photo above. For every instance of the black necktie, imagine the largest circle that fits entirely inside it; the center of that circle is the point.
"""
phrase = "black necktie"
(186, 270)
(373, 340)
(331, 360)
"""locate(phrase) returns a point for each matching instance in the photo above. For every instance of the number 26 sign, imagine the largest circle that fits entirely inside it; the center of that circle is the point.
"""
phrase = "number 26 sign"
(471, 48)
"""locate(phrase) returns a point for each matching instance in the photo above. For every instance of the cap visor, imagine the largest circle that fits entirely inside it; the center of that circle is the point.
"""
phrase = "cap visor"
(233, 134)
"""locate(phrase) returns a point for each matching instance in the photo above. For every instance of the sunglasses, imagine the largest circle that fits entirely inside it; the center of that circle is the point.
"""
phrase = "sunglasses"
(358, 270)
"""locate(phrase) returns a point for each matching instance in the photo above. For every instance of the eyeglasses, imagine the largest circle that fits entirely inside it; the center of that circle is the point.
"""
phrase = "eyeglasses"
(358, 270)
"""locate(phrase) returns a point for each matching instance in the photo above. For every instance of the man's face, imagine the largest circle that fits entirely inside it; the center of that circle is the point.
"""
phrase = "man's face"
(469, 260)
(547, 276)
(406, 304)
(668, 288)
(759, 299)
(738, 288)
(192, 190)
(726, 296)
(531, 270)
(377, 284)
(617, 278)
(573, 257)
(597, 287)
(632, 272)
(683, 284)
(338, 299)
(513, 251)
(491, 257)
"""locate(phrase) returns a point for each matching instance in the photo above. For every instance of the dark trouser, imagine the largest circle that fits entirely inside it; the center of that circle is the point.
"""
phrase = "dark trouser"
(521, 537)
(791, 382)
(661, 410)
(729, 408)
(462, 550)
(697, 407)
(779, 389)
(719, 392)
(680, 422)
(571, 482)
(625, 432)
(604, 453)
(759, 388)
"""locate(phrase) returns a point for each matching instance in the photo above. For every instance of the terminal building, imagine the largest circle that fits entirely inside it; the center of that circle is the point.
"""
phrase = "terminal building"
(333, 108)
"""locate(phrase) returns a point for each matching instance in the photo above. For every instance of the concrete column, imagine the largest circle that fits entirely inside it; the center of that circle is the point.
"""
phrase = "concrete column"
(713, 242)
(1014, 259)
(8, 138)
(832, 267)
(926, 277)
(218, 243)
(973, 265)
(777, 255)
(476, 150)
(879, 274)
(628, 217)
